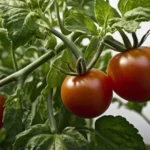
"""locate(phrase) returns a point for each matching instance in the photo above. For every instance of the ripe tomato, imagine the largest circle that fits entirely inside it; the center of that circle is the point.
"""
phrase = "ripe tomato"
(2, 101)
(130, 74)
(87, 95)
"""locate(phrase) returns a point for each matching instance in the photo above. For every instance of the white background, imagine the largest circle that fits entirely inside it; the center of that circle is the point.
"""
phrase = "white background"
(131, 116)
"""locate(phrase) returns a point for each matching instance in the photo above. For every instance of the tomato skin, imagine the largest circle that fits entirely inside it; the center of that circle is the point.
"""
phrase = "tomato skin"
(129, 73)
(88, 95)
(2, 101)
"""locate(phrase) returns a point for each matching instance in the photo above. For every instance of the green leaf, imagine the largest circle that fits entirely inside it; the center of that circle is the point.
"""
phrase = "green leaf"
(5, 42)
(51, 42)
(73, 3)
(19, 21)
(2, 134)
(137, 107)
(39, 138)
(54, 78)
(80, 23)
(65, 118)
(25, 136)
(147, 147)
(131, 19)
(38, 113)
(45, 4)
(104, 12)
(85, 7)
(13, 118)
(129, 26)
(116, 133)
(91, 49)
(126, 5)
(33, 4)
(139, 14)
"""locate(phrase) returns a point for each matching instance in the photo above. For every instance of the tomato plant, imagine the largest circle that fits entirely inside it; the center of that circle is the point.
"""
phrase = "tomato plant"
(2, 102)
(55, 99)
(129, 73)
(88, 95)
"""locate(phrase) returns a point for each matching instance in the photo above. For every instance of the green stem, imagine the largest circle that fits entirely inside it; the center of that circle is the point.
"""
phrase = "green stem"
(52, 120)
(145, 118)
(14, 59)
(28, 69)
(63, 30)
(117, 46)
(64, 72)
(135, 40)
(144, 38)
(125, 39)
(68, 42)
(81, 66)
(96, 57)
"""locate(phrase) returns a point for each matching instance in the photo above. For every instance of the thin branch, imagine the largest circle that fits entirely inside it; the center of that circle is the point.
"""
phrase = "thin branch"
(96, 57)
(14, 59)
(145, 118)
(68, 43)
(28, 69)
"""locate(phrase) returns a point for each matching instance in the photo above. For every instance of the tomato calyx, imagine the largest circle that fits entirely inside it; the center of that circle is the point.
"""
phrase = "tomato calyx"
(115, 45)
(81, 66)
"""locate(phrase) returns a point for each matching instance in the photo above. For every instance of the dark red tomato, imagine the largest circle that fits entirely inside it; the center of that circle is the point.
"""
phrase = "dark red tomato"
(2, 101)
(88, 95)
(130, 74)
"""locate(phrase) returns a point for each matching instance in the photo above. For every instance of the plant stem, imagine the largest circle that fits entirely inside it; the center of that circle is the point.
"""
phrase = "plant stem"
(68, 42)
(135, 40)
(52, 120)
(63, 30)
(145, 118)
(96, 57)
(28, 69)
(125, 39)
(14, 59)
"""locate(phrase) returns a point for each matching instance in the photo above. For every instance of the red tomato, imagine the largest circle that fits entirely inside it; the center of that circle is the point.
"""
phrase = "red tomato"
(2, 101)
(129, 72)
(88, 95)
